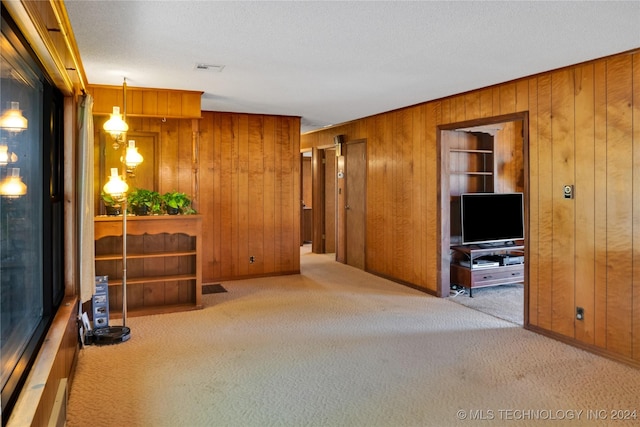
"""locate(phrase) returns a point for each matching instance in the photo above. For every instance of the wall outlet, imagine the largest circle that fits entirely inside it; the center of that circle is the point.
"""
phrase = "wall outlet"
(579, 313)
(252, 259)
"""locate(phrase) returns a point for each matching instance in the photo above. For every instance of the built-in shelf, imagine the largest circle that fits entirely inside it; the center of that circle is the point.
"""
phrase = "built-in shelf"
(465, 150)
(164, 265)
(112, 257)
(472, 173)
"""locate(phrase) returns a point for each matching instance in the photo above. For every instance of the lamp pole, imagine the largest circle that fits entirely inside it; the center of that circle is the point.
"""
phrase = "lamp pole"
(124, 262)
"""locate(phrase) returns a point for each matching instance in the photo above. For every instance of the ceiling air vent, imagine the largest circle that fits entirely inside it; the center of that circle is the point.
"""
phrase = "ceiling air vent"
(209, 67)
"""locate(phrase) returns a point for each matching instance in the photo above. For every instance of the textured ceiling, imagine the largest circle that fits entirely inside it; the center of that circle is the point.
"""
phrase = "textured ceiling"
(331, 62)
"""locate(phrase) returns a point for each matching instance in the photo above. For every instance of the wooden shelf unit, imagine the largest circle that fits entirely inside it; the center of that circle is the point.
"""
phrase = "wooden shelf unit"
(470, 278)
(474, 162)
(471, 170)
(164, 262)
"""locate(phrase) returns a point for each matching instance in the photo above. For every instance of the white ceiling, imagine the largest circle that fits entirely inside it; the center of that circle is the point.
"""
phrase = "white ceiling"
(330, 62)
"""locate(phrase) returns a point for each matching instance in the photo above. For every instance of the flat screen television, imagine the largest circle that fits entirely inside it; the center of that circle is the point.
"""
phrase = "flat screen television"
(491, 218)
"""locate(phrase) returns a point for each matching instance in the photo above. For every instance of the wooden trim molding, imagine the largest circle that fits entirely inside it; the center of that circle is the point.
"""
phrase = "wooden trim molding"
(55, 362)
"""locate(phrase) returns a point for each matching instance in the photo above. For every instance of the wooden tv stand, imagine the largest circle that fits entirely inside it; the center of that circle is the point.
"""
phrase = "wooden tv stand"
(473, 276)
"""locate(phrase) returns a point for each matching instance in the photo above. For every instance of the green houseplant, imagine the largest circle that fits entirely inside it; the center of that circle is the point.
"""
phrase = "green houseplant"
(144, 202)
(175, 202)
(112, 206)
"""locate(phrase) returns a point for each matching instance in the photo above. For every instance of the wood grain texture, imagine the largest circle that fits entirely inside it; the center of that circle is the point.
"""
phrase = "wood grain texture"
(252, 188)
(164, 262)
(248, 181)
(619, 251)
(582, 130)
(585, 256)
(600, 202)
(563, 220)
(635, 327)
(532, 268)
(545, 205)
(145, 102)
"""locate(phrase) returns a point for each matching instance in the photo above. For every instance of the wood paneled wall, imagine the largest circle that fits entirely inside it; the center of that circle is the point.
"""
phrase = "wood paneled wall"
(146, 102)
(243, 173)
(584, 130)
(249, 195)
(175, 162)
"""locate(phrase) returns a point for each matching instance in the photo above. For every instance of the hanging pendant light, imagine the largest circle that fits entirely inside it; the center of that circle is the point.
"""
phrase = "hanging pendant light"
(117, 125)
(12, 186)
(13, 120)
(132, 157)
(116, 187)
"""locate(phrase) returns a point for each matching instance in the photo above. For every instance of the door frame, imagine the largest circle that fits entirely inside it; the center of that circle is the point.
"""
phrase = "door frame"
(444, 207)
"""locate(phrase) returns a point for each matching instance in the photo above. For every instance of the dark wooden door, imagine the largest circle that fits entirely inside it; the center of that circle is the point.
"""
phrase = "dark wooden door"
(355, 203)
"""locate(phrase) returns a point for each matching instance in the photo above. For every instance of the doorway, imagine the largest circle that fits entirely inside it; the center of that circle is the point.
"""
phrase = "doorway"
(481, 156)
(306, 199)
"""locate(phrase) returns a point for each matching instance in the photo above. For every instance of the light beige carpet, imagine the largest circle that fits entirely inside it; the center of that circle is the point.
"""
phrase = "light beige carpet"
(338, 347)
(505, 301)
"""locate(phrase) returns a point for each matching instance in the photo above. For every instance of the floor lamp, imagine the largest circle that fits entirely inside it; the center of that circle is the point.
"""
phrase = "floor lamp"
(117, 188)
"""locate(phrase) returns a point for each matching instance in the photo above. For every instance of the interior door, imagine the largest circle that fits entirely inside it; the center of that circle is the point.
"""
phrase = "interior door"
(355, 202)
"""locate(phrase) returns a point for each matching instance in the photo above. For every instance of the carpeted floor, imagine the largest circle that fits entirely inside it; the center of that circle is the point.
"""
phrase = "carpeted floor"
(335, 346)
(505, 301)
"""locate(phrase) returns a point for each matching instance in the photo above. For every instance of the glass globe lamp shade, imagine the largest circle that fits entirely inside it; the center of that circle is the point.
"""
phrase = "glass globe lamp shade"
(116, 126)
(13, 120)
(116, 187)
(12, 186)
(132, 157)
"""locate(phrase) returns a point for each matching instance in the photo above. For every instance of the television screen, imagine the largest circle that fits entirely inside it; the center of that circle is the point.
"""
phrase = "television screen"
(491, 217)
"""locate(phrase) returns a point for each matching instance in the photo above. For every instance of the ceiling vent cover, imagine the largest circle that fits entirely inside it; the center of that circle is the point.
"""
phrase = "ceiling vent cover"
(209, 67)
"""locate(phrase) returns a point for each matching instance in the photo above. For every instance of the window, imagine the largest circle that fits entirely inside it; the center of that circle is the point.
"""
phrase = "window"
(31, 282)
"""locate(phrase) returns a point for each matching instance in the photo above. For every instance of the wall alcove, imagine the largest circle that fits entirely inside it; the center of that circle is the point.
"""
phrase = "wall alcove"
(107, 157)
(486, 155)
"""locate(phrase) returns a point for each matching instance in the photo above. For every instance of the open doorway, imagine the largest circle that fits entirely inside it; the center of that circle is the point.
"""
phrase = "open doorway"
(484, 158)
(323, 178)
(306, 199)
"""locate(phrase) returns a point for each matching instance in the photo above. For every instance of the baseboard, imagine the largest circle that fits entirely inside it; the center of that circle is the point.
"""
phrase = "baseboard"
(583, 346)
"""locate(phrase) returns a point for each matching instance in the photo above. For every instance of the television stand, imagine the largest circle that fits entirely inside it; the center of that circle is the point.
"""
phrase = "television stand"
(474, 266)
(495, 245)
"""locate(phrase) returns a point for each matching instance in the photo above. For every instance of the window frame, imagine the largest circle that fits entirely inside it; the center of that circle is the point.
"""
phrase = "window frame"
(52, 196)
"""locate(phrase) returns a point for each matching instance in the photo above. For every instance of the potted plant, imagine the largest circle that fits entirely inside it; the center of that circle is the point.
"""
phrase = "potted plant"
(144, 202)
(112, 206)
(175, 202)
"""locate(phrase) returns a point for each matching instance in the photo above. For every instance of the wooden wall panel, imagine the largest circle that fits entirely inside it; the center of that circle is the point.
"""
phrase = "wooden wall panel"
(146, 102)
(255, 193)
(545, 205)
(243, 197)
(619, 247)
(270, 194)
(248, 186)
(418, 195)
(508, 157)
(563, 210)
(374, 232)
(635, 327)
(584, 204)
(431, 260)
(532, 267)
(600, 202)
(583, 127)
